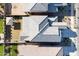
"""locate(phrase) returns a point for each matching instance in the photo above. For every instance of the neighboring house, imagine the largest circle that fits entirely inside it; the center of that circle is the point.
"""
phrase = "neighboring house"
(23, 8)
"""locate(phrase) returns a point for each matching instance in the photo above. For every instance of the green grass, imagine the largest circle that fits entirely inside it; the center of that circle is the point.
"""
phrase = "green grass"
(1, 25)
(13, 50)
(1, 50)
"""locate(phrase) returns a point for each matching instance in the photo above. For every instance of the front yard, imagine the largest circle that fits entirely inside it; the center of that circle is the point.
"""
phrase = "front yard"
(13, 50)
(1, 25)
(1, 50)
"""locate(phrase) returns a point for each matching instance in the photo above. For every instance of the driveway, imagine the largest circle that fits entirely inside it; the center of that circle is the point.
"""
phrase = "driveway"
(36, 50)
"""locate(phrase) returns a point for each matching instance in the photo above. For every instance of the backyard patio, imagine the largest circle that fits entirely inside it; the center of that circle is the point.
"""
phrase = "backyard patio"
(16, 28)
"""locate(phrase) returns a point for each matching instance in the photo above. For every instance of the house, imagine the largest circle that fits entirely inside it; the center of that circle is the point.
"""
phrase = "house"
(38, 27)
(38, 23)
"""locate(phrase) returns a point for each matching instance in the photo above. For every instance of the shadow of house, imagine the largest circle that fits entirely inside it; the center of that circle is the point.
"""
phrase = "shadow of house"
(60, 10)
(65, 11)
(69, 49)
(52, 10)
(8, 8)
(66, 33)
(68, 45)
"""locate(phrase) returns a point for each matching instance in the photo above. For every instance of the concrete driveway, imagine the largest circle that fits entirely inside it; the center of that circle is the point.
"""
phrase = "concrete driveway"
(36, 50)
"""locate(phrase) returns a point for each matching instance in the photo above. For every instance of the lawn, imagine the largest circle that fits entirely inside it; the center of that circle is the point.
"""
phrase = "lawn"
(1, 50)
(1, 25)
(13, 50)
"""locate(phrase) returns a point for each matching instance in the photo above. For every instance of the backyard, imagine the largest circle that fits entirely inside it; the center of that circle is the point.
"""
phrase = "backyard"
(1, 25)
(1, 50)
